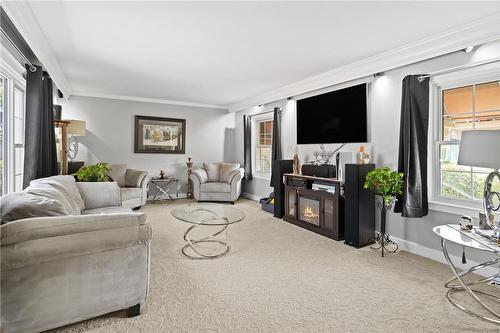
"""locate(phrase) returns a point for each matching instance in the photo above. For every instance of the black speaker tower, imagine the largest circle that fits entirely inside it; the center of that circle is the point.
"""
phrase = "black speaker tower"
(280, 167)
(359, 206)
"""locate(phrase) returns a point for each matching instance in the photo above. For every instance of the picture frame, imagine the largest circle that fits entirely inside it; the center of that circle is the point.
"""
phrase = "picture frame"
(158, 135)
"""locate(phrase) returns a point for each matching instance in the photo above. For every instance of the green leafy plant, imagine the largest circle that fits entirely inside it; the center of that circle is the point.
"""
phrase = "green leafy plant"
(93, 173)
(386, 183)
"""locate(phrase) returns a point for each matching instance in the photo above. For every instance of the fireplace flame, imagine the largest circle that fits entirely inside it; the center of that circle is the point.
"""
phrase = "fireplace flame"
(309, 213)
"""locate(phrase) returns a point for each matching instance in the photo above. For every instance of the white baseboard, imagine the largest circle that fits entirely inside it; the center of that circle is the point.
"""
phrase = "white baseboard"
(250, 196)
(438, 255)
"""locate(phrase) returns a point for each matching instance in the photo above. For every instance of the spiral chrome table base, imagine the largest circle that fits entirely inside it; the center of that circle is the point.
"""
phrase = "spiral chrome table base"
(457, 285)
(200, 253)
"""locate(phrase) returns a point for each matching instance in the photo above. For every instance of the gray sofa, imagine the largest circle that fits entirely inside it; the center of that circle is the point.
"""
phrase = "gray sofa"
(70, 251)
(133, 185)
(218, 181)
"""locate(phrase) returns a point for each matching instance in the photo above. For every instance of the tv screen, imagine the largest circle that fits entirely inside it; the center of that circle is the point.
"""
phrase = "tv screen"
(335, 117)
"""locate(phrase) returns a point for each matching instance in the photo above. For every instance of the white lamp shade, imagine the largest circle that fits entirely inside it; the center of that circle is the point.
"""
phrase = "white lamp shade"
(76, 127)
(480, 149)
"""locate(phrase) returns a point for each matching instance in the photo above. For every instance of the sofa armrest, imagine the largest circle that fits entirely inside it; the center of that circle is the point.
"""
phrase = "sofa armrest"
(134, 178)
(201, 174)
(42, 239)
(236, 175)
(100, 194)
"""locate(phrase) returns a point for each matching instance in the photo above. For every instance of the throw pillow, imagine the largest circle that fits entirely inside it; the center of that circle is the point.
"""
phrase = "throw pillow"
(117, 173)
(67, 186)
(22, 205)
(133, 178)
(226, 169)
(212, 170)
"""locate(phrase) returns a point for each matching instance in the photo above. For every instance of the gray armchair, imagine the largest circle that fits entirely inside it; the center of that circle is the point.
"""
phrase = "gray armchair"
(217, 182)
(133, 184)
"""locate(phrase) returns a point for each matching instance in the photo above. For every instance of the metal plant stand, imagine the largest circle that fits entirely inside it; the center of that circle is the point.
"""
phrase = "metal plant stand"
(457, 284)
(382, 240)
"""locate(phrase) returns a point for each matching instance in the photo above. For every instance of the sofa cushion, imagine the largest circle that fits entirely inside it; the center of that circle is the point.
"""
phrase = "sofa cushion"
(22, 205)
(107, 210)
(215, 187)
(117, 173)
(129, 193)
(46, 190)
(133, 178)
(225, 170)
(212, 170)
(65, 184)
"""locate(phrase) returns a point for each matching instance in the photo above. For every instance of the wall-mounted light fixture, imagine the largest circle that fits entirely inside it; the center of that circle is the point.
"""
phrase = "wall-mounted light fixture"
(468, 49)
(379, 74)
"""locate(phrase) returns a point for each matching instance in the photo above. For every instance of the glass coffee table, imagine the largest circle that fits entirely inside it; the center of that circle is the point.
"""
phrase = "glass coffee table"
(205, 215)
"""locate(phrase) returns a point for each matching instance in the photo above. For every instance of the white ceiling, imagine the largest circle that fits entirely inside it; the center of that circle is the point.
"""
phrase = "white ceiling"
(223, 52)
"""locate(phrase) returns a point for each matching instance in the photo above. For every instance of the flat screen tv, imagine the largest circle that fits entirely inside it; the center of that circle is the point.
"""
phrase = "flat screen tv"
(335, 117)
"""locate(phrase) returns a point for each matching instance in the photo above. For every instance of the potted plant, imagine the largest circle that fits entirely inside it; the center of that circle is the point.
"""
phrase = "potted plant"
(93, 173)
(387, 184)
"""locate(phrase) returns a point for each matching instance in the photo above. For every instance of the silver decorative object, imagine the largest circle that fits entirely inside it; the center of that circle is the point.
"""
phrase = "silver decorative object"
(323, 156)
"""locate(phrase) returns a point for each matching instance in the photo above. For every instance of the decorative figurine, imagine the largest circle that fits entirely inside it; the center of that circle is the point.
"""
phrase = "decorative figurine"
(296, 164)
(466, 223)
(162, 174)
(363, 156)
(189, 192)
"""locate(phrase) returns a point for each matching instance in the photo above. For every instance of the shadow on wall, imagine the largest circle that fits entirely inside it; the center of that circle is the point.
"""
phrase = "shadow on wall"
(97, 150)
(229, 142)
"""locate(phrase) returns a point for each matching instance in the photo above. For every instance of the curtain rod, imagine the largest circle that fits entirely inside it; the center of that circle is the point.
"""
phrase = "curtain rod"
(31, 66)
(261, 113)
(458, 68)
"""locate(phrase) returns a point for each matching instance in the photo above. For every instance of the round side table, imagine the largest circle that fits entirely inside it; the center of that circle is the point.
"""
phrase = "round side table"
(451, 233)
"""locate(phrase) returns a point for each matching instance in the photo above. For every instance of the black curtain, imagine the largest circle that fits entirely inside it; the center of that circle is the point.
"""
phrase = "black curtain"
(276, 144)
(40, 156)
(247, 147)
(413, 147)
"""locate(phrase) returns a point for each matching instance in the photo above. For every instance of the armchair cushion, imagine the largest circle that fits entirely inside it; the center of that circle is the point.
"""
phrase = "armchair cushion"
(225, 170)
(133, 178)
(215, 187)
(212, 170)
(117, 172)
(22, 205)
(100, 194)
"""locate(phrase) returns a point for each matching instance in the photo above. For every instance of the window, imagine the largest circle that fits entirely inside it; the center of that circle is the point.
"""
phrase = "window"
(475, 106)
(263, 150)
(3, 142)
(12, 123)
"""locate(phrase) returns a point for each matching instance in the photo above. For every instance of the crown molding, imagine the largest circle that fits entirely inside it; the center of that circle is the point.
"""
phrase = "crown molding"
(148, 100)
(476, 32)
(22, 16)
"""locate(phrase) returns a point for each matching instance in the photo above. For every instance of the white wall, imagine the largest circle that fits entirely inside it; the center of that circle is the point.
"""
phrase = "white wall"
(384, 107)
(110, 134)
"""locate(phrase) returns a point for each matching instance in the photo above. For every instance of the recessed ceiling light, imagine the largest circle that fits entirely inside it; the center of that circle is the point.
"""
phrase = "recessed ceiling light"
(468, 49)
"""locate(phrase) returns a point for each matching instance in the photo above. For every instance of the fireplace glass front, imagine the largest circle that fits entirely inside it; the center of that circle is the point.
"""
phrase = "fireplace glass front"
(309, 210)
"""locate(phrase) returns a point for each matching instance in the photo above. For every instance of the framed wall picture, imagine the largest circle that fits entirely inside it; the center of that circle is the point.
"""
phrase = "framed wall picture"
(159, 135)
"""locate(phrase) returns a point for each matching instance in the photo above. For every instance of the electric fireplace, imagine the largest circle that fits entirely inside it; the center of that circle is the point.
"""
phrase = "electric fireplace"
(309, 210)
(315, 204)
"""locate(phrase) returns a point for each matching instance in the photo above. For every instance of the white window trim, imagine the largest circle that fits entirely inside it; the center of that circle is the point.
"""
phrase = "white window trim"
(255, 120)
(13, 71)
(478, 75)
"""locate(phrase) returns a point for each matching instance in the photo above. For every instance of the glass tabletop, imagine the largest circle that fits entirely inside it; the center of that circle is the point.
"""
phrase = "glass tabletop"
(470, 239)
(208, 214)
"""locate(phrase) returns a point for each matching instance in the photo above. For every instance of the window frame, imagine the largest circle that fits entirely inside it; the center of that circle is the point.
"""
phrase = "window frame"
(256, 120)
(438, 85)
(13, 72)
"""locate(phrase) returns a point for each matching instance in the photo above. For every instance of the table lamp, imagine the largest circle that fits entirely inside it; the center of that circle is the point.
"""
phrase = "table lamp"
(75, 128)
(481, 148)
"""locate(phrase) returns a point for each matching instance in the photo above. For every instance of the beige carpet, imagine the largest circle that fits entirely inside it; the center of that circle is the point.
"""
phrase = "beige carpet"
(281, 278)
